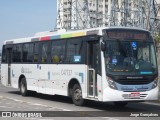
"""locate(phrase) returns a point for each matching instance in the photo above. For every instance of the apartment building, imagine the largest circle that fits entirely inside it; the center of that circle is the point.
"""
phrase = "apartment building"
(101, 12)
(73, 14)
(159, 9)
(158, 16)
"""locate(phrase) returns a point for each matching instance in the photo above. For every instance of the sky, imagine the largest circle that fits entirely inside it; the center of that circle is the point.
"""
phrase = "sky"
(24, 18)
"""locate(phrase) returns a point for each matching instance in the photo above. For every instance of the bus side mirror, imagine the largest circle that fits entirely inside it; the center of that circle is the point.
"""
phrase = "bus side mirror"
(103, 45)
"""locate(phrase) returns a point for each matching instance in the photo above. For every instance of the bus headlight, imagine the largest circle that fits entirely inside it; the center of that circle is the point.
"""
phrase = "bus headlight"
(112, 84)
(155, 83)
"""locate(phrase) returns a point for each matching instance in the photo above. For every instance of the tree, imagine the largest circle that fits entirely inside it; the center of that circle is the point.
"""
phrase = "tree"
(157, 38)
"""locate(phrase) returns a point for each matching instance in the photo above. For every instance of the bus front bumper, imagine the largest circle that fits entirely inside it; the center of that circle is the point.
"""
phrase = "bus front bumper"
(115, 95)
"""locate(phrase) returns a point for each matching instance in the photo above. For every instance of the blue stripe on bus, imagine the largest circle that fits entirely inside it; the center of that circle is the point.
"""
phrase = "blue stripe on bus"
(82, 76)
(49, 75)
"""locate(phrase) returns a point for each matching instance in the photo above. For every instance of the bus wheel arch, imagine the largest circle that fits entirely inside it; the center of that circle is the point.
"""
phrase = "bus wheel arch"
(71, 83)
(75, 91)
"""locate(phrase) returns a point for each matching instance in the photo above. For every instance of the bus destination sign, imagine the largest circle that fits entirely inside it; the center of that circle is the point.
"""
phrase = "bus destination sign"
(127, 35)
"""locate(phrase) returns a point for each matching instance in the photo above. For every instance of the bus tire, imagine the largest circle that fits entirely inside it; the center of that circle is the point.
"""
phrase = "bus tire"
(120, 104)
(77, 95)
(23, 87)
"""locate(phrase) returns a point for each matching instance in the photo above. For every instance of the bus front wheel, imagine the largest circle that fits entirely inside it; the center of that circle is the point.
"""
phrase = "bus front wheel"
(77, 95)
(23, 87)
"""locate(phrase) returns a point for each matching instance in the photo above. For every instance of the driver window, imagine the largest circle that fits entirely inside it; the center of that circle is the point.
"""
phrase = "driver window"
(143, 53)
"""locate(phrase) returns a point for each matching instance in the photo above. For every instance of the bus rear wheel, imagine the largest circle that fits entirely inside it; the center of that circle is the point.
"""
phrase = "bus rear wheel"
(23, 87)
(77, 95)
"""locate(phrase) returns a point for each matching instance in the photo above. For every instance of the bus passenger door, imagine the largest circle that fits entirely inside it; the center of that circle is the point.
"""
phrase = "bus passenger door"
(8, 70)
(93, 56)
(44, 83)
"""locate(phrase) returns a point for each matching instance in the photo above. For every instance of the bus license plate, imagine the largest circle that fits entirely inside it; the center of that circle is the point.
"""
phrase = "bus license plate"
(135, 95)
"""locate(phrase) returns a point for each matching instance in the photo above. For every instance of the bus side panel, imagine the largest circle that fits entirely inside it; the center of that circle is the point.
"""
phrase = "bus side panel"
(59, 77)
(50, 79)
(45, 83)
(4, 74)
(28, 71)
(15, 75)
(99, 88)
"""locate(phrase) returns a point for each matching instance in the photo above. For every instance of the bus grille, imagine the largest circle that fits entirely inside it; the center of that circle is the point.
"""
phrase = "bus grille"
(133, 82)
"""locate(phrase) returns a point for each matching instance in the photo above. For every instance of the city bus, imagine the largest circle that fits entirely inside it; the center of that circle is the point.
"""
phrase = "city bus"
(107, 64)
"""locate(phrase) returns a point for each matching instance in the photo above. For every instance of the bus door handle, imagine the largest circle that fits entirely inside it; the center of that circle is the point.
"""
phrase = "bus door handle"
(40, 67)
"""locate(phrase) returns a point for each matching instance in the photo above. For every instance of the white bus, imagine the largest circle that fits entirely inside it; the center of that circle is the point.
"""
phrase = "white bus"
(102, 64)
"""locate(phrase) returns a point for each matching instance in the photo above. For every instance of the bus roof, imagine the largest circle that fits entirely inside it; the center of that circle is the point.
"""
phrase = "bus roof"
(60, 34)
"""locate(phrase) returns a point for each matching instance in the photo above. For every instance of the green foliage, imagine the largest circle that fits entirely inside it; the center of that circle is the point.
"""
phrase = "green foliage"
(157, 38)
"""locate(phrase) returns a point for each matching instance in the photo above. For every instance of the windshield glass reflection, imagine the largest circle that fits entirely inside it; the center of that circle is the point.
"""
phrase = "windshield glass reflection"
(130, 58)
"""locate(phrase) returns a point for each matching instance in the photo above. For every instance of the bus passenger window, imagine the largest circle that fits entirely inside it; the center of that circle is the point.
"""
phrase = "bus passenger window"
(43, 60)
(44, 52)
(74, 51)
(57, 51)
(56, 59)
(35, 59)
(36, 52)
(17, 53)
(28, 52)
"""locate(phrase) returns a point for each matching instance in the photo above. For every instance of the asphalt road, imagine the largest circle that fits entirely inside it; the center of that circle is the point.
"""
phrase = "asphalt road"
(58, 107)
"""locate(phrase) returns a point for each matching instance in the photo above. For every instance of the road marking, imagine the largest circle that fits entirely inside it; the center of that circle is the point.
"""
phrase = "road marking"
(5, 107)
(17, 100)
(32, 118)
(46, 119)
(37, 104)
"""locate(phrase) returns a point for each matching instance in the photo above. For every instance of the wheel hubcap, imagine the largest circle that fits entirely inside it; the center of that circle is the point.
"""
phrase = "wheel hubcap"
(77, 94)
(23, 88)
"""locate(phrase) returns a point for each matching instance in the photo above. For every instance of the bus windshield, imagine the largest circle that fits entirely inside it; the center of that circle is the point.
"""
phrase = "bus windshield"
(130, 58)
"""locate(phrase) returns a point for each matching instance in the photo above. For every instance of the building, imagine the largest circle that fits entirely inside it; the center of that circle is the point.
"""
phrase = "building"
(79, 14)
(159, 10)
(158, 16)
(75, 13)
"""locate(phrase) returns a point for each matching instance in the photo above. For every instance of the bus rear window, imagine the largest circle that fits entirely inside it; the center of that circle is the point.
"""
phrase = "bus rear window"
(4, 60)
